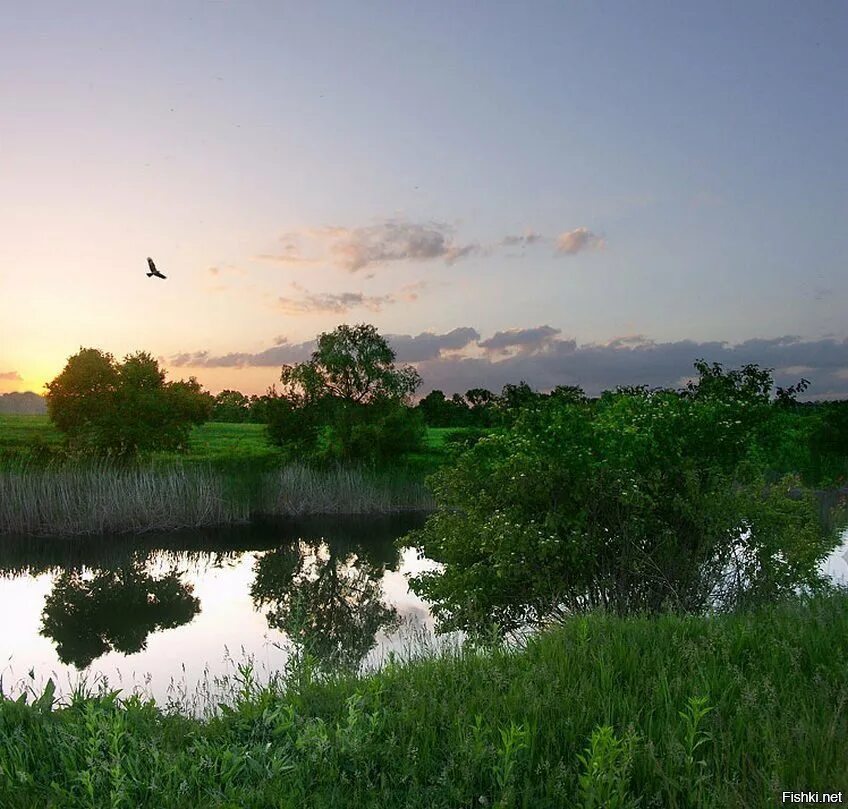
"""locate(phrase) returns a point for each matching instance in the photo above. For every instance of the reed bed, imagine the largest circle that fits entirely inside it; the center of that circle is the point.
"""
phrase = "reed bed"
(104, 498)
(298, 490)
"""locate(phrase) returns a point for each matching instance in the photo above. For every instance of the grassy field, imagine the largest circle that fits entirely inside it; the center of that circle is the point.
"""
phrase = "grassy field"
(229, 474)
(672, 712)
(212, 441)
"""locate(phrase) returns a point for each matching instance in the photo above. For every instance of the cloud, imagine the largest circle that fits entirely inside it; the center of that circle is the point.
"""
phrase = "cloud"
(524, 340)
(428, 345)
(459, 359)
(409, 348)
(355, 249)
(342, 302)
(10, 376)
(281, 353)
(338, 303)
(529, 237)
(572, 242)
(637, 360)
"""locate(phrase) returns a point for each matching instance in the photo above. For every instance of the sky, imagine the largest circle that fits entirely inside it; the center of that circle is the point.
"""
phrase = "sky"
(562, 192)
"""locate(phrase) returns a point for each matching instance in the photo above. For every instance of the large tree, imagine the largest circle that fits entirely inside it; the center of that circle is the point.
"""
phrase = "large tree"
(123, 408)
(349, 401)
(354, 364)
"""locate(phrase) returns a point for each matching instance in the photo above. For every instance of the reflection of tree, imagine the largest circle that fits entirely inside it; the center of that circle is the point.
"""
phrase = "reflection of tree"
(325, 597)
(114, 609)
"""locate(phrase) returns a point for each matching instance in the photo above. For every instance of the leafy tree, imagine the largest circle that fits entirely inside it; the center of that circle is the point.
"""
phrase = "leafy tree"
(644, 501)
(123, 408)
(353, 364)
(349, 401)
(439, 411)
(231, 406)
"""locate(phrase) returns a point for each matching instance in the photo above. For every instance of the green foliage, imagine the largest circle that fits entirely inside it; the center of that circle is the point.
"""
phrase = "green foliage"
(121, 409)
(351, 363)
(606, 763)
(231, 406)
(326, 598)
(642, 501)
(599, 712)
(349, 402)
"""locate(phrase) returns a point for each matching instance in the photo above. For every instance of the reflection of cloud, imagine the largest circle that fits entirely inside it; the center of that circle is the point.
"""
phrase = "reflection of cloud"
(575, 241)
(11, 376)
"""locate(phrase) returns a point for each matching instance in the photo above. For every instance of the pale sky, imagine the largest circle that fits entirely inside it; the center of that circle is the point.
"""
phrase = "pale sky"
(591, 193)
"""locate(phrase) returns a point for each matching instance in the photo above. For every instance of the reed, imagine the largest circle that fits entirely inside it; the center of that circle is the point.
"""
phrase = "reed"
(75, 498)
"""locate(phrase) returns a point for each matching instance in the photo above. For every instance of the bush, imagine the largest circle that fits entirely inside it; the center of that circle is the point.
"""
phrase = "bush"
(120, 409)
(644, 501)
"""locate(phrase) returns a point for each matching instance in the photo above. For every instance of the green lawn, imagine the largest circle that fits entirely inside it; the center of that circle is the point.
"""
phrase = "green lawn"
(213, 441)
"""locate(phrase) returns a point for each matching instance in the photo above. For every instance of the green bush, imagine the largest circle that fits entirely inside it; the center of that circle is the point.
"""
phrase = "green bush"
(644, 501)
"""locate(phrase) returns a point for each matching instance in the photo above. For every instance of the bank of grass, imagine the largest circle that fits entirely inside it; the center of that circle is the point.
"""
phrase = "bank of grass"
(213, 442)
(229, 474)
(671, 711)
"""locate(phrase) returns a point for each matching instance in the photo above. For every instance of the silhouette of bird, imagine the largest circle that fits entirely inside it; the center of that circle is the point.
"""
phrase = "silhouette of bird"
(153, 270)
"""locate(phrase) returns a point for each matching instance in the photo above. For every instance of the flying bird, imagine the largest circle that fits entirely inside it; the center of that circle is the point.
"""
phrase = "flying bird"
(153, 270)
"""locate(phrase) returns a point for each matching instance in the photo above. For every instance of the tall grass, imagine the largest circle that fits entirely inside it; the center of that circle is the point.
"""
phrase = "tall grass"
(679, 712)
(99, 497)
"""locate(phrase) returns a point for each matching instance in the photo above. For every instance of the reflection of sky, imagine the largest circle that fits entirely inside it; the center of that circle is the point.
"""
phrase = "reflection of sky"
(227, 630)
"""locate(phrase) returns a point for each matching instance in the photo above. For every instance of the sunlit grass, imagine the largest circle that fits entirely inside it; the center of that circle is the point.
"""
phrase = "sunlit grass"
(672, 711)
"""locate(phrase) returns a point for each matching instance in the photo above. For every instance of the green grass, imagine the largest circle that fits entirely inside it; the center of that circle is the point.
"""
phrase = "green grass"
(210, 442)
(602, 712)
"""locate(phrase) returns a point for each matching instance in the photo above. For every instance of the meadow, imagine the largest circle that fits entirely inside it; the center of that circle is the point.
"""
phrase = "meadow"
(671, 711)
(214, 442)
(229, 473)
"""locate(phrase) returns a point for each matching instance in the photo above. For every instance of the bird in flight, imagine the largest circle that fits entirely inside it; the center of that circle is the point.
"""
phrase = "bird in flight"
(153, 270)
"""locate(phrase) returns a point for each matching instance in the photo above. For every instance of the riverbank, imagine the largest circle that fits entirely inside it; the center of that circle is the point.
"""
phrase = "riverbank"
(71, 499)
(670, 711)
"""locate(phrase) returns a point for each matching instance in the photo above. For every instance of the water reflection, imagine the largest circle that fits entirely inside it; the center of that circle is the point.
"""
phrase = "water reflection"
(314, 583)
(327, 597)
(87, 615)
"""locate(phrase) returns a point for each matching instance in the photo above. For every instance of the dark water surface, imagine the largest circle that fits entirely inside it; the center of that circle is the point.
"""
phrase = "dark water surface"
(166, 613)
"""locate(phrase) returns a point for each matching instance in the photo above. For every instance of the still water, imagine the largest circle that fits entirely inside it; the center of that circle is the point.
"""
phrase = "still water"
(168, 614)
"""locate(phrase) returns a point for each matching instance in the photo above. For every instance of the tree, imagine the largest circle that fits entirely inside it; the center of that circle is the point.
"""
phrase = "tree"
(353, 364)
(231, 406)
(123, 408)
(644, 501)
(349, 401)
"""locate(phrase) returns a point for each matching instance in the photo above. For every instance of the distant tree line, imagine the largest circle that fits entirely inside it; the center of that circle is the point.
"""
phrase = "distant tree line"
(351, 401)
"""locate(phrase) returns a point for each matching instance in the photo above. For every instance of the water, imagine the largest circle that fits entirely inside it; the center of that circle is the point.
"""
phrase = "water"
(166, 615)
(170, 615)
